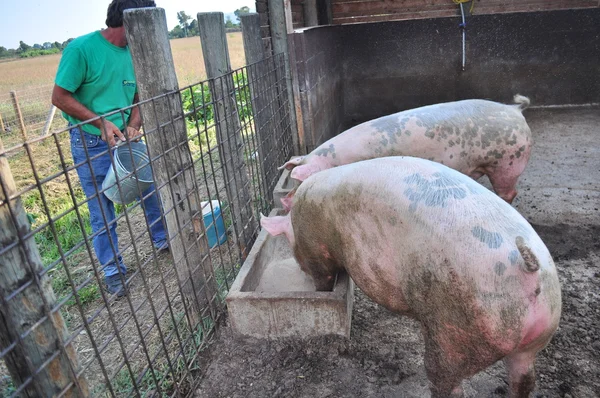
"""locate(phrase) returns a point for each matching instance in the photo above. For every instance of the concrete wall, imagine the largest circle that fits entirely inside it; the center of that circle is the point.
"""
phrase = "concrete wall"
(319, 75)
(552, 57)
(352, 73)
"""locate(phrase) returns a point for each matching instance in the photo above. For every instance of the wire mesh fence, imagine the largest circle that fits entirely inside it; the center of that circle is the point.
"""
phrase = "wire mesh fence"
(25, 112)
(96, 297)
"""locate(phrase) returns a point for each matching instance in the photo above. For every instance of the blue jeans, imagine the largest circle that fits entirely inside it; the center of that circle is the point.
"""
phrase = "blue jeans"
(103, 242)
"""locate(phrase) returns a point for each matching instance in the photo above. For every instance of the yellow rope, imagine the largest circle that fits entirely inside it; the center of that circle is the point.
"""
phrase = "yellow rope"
(466, 1)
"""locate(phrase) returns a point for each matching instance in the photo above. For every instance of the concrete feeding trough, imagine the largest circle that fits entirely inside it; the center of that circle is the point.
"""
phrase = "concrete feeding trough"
(284, 186)
(271, 296)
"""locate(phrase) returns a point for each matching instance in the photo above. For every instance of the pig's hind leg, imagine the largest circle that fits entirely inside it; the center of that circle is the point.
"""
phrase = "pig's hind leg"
(521, 373)
(504, 176)
(452, 355)
(444, 370)
(504, 184)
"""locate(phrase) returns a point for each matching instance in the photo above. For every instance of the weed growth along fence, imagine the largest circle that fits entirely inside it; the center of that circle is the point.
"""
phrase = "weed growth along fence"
(213, 152)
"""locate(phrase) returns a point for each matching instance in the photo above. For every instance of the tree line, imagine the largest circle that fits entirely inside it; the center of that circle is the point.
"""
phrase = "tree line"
(189, 27)
(25, 50)
(186, 27)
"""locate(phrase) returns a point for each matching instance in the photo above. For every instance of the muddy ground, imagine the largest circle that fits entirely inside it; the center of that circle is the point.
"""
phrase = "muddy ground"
(559, 194)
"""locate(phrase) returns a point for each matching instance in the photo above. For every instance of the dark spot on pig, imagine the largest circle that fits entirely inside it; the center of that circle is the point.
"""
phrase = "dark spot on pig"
(537, 291)
(496, 153)
(451, 143)
(390, 126)
(326, 151)
(463, 154)
(493, 240)
(407, 132)
(451, 156)
(513, 256)
(429, 134)
(512, 156)
(499, 268)
(520, 151)
(393, 221)
(510, 164)
(432, 192)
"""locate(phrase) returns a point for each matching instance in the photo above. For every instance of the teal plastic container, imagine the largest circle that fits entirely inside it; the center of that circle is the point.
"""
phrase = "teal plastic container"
(213, 221)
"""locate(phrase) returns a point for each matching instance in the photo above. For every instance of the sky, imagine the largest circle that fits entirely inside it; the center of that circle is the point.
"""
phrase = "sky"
(38, 21)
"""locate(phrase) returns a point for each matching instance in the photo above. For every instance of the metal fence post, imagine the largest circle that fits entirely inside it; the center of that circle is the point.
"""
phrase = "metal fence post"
(279, 37)
(257, 71)
(174, 169)
(229, 135)
(15, 100)
(20, 264)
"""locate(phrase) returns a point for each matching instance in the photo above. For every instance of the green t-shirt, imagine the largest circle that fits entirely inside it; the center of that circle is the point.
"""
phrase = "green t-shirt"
(100, 75)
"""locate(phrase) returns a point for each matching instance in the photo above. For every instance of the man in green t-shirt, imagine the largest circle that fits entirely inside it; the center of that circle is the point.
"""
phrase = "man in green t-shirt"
(96, 77)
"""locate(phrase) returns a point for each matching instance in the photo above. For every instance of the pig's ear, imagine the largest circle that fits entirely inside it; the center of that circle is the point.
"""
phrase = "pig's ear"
(274, 225)
(301, 173)
(286, 201)
(292, 163)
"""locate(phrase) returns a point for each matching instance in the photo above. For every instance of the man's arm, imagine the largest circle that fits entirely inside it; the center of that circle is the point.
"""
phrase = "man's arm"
(135, 120)
(64, 101)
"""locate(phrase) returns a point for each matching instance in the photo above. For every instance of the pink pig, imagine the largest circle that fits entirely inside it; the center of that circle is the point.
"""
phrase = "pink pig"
(425, 241)
(475, 137)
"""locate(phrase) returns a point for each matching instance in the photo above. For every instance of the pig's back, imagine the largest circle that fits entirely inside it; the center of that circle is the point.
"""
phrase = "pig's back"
(463, 135)
(426, 234)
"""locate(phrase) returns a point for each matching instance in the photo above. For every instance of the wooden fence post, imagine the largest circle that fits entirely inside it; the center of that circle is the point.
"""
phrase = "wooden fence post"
(2, 128)
(15, 100)
(229, 134)
(148, 39)
(257, 77)
(311, 17)
(49, 120)
(18, 266)
(280, 27)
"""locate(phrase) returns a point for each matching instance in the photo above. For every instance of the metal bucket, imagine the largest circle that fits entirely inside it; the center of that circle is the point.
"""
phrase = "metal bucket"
(125, 161)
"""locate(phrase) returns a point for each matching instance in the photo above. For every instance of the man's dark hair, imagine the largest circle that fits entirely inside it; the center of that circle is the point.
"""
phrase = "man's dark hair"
(114, 16)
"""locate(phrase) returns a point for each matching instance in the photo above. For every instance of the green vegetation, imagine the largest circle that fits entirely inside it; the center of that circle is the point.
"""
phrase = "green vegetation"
(26, 51)
(185, 29)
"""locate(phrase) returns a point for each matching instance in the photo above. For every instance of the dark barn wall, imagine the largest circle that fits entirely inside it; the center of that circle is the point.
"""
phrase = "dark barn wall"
(353, 73)
(319, 75)
(552, 57)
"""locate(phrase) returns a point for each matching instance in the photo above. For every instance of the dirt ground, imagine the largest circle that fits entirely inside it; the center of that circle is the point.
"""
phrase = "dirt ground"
(559, 193)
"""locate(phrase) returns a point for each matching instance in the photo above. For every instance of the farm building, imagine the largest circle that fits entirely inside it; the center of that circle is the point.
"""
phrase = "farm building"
(203, 318)
(356, 60)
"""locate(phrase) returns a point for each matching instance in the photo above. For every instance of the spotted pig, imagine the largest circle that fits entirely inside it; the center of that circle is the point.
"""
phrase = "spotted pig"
(475, 137)
(425, 241)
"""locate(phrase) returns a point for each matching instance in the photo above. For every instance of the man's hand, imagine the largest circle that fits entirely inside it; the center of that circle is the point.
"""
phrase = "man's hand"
(133, 134)
(109, 132)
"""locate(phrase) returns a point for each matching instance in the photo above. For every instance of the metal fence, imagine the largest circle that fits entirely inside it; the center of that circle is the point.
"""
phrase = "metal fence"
(61, 332)
(27, 113)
